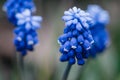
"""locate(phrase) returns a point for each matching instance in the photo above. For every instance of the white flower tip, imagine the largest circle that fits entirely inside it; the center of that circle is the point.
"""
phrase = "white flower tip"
(81, 42)
(30, 42)
(92, 42)
(18, 15)
(59, 42)
(75, 21)
(88, 48)
(26, 12)
(70, 10)
(65, 50)
(19, 38)
(75, 9)
(74, 47)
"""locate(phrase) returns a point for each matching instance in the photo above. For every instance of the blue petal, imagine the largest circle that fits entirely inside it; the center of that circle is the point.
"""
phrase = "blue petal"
(80, 39)
(72, 61)
(79, 56)
(67, 46)
(71, 53)
(75, 33)
(73, 43)
(63, 58)
(86, 45)
(81, 62)
(62, 38)
(78, 49)
(78, 27)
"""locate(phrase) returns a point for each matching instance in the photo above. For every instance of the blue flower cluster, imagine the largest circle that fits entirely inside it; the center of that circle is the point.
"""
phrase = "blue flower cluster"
(25, 33)
(76, 41)
(11, 7)
(19, 12)
(98, 30)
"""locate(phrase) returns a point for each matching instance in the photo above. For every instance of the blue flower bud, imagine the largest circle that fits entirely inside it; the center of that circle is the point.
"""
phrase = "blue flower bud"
(79, 27)
(73, 43)
(62, 39)
(88, 37)
(80, 39)
(86, 45)
(66, 30)
(86, 54)
(67, 46)
(30, 47)
(71, 53)
(80, 62)
(69, 34)
(64, 58)
(24, 52)
(78, 49)
(61, 49)
(68, 23)
(75, 33)
(79, 56)
(72, 61)
(72, 27)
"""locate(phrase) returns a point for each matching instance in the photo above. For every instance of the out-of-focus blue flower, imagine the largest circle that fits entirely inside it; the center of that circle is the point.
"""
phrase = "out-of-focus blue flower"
(19, 5)
(11, 7)
(76, 39)
(99, 15)
(25, 33)
(102, 41)
(98, 30)
(26, 19)
(25, 40)
(19, 12)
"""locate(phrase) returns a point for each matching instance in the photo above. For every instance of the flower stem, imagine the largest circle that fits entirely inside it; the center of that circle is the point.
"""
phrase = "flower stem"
(20, 60)
(67, 71)
(82, 69)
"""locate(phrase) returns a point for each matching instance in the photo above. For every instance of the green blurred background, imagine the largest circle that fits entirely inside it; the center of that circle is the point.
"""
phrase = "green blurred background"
(43, 63)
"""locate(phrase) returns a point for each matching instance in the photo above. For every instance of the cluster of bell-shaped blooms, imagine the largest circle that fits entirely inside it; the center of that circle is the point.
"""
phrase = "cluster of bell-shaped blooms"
(19, 12)
(76, 40)
(25, 33)
(11, 7)
(99, 30)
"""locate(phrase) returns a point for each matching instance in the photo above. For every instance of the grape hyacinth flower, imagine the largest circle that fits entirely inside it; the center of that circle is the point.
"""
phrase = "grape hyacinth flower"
(26, 19)
(25, 33)
(100, 16)
(19, 13)
(11, 7)
(98, 30)
(19, 4)
(76, 40)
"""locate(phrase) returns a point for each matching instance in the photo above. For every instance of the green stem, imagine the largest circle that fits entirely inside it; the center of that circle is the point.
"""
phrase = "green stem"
(20, 62)
(82, 69)
(67, 71)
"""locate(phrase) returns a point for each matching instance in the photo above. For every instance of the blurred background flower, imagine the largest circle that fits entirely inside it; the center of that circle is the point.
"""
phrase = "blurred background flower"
(46, 62)
(99, 29)
(26, 31)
